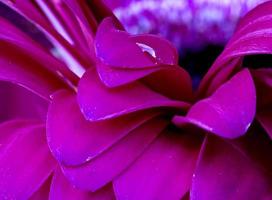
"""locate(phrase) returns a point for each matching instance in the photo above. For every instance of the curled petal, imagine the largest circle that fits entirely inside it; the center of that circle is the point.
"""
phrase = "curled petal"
(255, 14)
(104, 168)
(97, 102)
(234, 170)
(164, 171)
(229, 111)
(73, 140)
(116, 48)
(61, 188)
(24, 63)
(159, 79)
(253, 36)
(28, 36)
(25, 160)
(114, 77)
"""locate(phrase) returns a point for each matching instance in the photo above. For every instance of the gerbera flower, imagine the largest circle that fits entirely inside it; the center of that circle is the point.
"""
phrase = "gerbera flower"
(132, 120)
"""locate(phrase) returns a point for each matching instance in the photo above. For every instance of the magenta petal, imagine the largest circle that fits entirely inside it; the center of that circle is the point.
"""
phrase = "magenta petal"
(25, 160)
(62, 189)
(24, 64)
(105, 167)
(173, 82)
(229, 111)
(73, 140)
(97, 102)
(229, 171)
(159, 79)
(116, 48)
(88, 20)
(257, 13)
(43, 192)
(265, 118)
(216, 76)
(22, 70)
(113, 77)
(263, 83)
(11, 108)
(253, 36)
(164, 171)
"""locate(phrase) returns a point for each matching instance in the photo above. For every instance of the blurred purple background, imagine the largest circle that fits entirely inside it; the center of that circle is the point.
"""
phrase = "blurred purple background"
(188, 24)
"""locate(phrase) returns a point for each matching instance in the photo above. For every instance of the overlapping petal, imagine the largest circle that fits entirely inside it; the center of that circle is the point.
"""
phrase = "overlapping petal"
(73, 140)
(24, 63)
(116, 48)
(25, 159)
(234, 169)
(229, 111)
(104, 168)
(253, 36)
(263, 81)
(164, 171)
(97, 102)
(147, 54)
(61, 188)
(11, 108)
(43, 192)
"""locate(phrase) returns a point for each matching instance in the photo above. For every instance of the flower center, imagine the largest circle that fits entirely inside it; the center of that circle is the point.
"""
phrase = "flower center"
(198, 62)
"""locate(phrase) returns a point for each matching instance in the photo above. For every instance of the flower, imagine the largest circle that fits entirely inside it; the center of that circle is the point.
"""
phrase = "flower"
(123, 113)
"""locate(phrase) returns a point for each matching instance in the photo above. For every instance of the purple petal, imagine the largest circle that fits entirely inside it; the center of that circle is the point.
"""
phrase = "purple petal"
(265, 118)
(217, 75)
(25, 160)
(159, 79)
(62, 189)
(24, 63)
(11, 108)
(263, 83)
(163, 54)
(164, 171)
(79, 8)
(168, 81)
(73, 140)
(253, 36)
(104, 168)
(59, 46)
(113, 77)
(116, 48)
(229, 111)
(97, 102)
(255, 14)
(231, 170)
(43, 192)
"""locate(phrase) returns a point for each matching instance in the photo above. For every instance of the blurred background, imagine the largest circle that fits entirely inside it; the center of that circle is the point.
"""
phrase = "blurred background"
(198, 28)
(186, 23)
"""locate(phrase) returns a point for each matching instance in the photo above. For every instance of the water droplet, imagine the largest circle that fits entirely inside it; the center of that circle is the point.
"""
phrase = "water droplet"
(148, 49)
